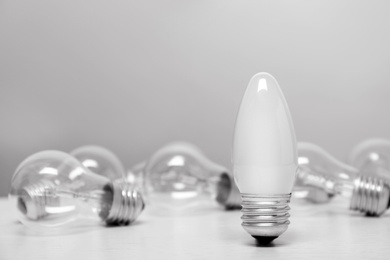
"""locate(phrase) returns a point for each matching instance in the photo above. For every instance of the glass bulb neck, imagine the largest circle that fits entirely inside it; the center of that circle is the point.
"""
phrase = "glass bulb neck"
(127, 204)
(370, 195)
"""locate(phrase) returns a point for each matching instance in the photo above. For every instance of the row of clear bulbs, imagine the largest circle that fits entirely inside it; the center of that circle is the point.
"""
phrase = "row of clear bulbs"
(53, 188)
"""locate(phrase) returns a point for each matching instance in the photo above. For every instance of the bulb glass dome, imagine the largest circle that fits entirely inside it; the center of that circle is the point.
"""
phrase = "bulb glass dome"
(179, 176)
(264, 148)
(372, 157)
(52, 188)
(100, 161)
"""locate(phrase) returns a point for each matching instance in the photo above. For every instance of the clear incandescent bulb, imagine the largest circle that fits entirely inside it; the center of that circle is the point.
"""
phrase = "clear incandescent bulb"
(319, 169)
(101, 161)
(264, 158)
(52, 188)
(308, 192)
(179, 176)
(372, 157)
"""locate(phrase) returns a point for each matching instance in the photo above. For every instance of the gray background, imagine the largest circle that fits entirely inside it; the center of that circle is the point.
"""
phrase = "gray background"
(135, 75)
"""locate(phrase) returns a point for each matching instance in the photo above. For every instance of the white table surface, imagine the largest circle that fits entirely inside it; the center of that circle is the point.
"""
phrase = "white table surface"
(315, 232)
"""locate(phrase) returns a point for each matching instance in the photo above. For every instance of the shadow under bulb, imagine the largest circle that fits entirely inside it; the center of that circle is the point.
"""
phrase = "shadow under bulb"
(52, 189)
(319, 169)
(179, 176)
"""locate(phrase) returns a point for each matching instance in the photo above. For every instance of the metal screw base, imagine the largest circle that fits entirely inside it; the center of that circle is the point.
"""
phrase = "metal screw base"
(127, 204)
(370, 196)
(33, 199)
(265, 217)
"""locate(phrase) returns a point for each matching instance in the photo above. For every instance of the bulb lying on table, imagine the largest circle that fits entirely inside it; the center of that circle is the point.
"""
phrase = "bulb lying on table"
(179, 176)
(264, 158)
(319, 169)
(52, 188)
(308, 192)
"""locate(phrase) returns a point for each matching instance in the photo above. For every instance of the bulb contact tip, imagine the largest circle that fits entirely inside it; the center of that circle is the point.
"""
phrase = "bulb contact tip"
(265, 217)
(127, 204)
(370, 196)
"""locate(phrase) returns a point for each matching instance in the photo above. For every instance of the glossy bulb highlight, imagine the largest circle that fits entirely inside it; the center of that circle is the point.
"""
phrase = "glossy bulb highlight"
(101, 161)
(264, 158)
(52, 188)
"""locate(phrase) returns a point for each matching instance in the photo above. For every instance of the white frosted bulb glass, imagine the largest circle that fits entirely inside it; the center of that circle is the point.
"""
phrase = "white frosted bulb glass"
(319, 169)
(52, 188)
(179, 176)
(372, 157)
(100, 161)
(264, 158)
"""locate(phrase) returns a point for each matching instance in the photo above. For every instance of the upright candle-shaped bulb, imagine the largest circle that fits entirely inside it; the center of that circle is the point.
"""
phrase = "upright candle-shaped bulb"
(264, 158)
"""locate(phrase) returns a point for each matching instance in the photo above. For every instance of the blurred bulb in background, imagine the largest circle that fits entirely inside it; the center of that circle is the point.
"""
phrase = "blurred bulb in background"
(319, 169)
(136, 175)
(52, 188)
(179, 176)
(372, 157)
(100, 161)
(308, 192)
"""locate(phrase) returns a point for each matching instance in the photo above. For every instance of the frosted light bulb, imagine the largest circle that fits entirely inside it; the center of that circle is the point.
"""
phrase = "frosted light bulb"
(179, 176)
(319, 169)
(100, 161)
(372, 157)
(52, 188)
(264, 158)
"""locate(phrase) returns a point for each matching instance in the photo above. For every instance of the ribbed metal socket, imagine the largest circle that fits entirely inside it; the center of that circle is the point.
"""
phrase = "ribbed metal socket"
(228, 194)
(33, 199)
(127, 204)
(370, 196)
(265, 217)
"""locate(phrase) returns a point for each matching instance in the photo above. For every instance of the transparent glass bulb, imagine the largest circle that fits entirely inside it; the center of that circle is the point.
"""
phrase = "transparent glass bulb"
(308, 192)
(52, 188)
(264, 158)
(100, 161)
(319, 169)
(179, 176)
(372, 157)
(136, 177)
